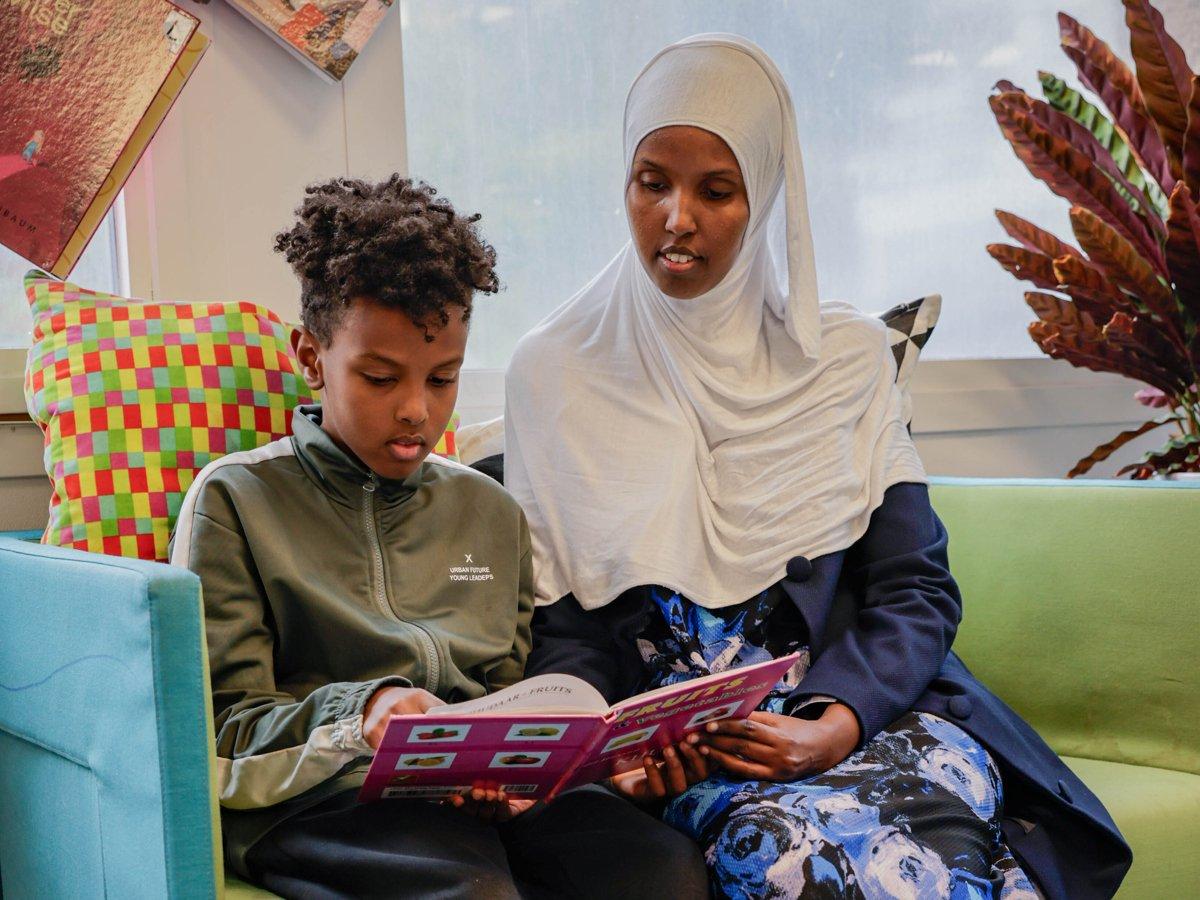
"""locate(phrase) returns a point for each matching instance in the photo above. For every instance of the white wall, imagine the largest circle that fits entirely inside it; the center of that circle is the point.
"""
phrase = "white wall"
(230, 163)
(254, 126)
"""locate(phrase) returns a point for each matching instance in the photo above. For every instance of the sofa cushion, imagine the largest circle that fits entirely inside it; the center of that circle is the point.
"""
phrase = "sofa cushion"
(236, 889)
(1158, 811)
(1079, 603)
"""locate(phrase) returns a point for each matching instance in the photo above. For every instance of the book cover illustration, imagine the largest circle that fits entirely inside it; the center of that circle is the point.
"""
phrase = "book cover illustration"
(551, 732)
(327, 34)
(83, 86)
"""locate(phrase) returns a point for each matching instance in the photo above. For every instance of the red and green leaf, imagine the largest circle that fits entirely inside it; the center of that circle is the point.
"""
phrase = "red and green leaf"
(1069, 172)
(1103, 72)
(1070, 348)
(1163, 75)
(1075, 271)
(1125, 266)
(1104, 451)
(1063, 314)
(1091, 291)
(1034, 238)
(1083, 140)
(1027, 265)
(1065, 332)
(1072, 103)
(1191, 140)
(1181, 454)
(1183, 249)
(1145, 339)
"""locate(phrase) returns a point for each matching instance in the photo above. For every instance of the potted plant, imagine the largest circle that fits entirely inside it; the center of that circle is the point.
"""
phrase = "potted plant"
(1127, 299)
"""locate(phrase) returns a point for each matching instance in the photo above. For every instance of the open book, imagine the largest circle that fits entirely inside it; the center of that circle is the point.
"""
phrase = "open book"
(552, 732)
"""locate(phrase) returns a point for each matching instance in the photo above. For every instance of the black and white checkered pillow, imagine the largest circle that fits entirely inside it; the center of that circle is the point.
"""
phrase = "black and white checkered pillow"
(909, 328)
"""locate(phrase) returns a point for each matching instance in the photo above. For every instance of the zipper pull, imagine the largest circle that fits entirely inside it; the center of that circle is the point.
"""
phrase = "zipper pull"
(370, 486)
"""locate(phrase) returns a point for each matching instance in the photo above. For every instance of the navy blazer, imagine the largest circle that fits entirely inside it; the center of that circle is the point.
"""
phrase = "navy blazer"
(881, 617)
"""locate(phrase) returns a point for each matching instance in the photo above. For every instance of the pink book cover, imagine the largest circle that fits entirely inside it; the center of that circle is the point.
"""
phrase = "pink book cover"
(552, 732)
(83, 86)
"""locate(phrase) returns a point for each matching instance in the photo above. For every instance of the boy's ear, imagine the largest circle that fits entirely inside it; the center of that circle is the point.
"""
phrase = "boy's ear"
(308, 353)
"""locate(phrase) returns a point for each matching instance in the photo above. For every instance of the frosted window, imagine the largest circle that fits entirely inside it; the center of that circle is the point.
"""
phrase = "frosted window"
(514, 110)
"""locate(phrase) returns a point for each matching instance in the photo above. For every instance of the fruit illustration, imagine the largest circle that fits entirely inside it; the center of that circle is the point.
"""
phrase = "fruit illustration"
(425, 761)
(437, 734)
(628, 739)
(538, 731)
(518, 759)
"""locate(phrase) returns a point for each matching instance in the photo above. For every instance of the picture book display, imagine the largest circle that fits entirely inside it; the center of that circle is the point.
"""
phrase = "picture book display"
(327, 35)
(552, 732)
(84, 86)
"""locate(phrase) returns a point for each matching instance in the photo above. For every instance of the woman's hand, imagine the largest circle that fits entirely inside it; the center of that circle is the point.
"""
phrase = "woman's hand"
(393, 701)
(489, 804)
(782, 748)
(682, 766)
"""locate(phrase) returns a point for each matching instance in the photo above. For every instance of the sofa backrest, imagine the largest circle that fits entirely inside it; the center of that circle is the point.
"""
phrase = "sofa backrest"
(1081, 605)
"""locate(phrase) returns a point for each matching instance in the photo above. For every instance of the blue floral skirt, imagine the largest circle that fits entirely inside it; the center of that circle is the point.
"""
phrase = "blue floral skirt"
(914, 814)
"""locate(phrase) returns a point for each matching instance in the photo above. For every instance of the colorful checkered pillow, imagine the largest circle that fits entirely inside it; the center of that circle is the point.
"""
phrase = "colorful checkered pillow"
(134, 398)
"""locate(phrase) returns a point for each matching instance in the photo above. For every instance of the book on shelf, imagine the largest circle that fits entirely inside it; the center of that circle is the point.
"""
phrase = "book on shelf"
(553, 732)
(85, 86)
(326, 35)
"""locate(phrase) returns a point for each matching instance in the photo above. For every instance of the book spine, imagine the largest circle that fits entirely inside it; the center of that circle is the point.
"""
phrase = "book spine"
(584, 754)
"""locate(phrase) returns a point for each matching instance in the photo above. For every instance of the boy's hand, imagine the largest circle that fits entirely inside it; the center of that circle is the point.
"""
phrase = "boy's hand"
(393, 701)
(782, 748)
(489, 804)
(682, 766)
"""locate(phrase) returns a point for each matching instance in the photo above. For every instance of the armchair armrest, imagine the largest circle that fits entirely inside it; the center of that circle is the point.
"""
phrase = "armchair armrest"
(105, 728)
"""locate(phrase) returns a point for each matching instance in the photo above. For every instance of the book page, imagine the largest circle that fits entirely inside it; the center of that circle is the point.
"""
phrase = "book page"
(524, 739)
(645, 724)
(542, 693)
(434, 756)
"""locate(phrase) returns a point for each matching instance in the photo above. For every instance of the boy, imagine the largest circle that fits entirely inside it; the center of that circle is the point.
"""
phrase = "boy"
(325, 561)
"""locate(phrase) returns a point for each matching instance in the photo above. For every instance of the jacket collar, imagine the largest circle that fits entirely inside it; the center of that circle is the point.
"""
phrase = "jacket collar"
(335, 471)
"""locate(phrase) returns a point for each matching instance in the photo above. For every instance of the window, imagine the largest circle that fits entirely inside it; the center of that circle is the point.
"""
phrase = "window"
(514, 110)
(98, 269)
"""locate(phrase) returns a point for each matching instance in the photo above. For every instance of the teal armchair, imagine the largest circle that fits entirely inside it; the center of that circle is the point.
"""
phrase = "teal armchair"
(1081, 608)
(106, 747)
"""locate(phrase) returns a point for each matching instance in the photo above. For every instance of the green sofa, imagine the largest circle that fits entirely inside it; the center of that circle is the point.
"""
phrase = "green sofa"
(1081, 611)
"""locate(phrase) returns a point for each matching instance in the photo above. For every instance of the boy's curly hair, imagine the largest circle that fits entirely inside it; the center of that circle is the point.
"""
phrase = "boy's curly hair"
(396, 243)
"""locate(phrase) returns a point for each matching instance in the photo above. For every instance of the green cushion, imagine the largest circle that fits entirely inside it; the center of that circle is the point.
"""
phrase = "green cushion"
(1080, 607)
(1158, 811)
(239, 890)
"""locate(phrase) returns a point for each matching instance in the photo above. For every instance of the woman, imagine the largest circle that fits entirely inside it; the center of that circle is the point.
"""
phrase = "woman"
(715, 470)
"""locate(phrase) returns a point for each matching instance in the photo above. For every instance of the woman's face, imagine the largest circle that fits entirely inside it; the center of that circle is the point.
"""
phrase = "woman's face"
(688, 209)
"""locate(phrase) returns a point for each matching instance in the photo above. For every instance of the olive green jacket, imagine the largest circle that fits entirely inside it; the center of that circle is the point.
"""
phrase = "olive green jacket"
(322, 583)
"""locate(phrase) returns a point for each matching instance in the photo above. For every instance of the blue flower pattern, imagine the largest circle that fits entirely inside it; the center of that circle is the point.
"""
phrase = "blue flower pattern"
(913, 814)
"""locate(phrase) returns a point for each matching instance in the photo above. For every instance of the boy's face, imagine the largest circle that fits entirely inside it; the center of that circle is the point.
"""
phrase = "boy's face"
(387, 393)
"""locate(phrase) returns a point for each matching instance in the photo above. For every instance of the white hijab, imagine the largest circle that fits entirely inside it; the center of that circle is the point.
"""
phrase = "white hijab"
(700, 444)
